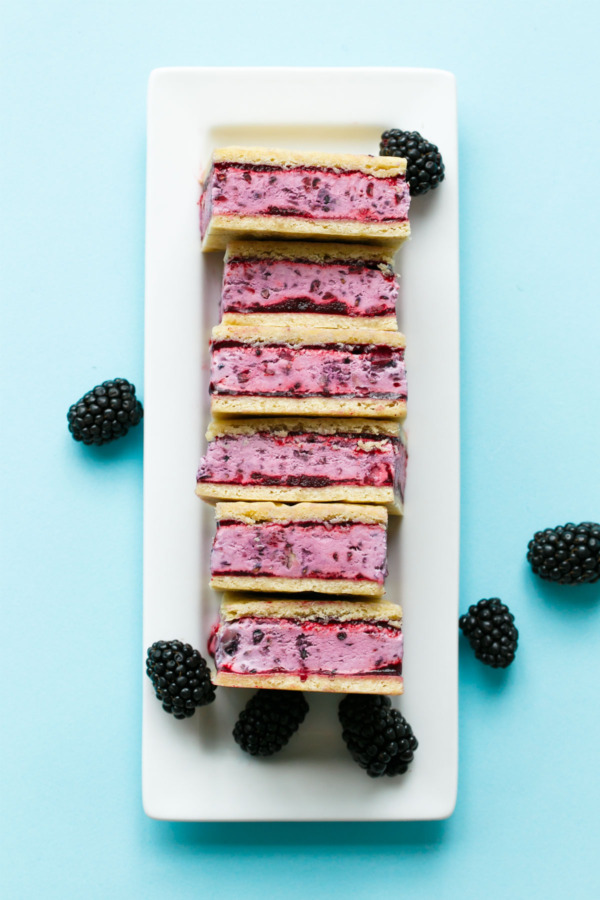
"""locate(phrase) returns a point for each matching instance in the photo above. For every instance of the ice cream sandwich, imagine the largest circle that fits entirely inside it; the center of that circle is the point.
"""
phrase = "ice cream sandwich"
(327, 548)
(339, 646)
(307, 371)
(257, 192)
(309, 285)
(305, 459)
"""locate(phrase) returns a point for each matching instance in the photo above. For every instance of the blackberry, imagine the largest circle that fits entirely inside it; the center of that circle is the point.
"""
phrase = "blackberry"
(378, 737)
(180, 677)
(568, 554)
(424, 165)
(268, 721)
(489, 626)
(105, 413)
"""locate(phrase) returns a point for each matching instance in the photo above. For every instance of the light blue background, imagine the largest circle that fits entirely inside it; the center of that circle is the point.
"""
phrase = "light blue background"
(72, 104)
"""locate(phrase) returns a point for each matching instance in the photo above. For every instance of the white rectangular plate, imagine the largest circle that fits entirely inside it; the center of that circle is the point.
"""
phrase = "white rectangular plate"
(192, 769)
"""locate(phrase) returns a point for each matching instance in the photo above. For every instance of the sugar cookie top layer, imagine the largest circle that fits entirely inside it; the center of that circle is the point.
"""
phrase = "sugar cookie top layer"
(250, 513)
(299, 425)
(308, 336)
(324, 253)
(379, 166)
(238, 605)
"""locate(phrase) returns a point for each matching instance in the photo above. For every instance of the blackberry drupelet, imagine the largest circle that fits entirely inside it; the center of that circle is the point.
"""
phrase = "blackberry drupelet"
(567, 554)
(489, 626)
(105, 413)
(180, 677)
(424, 165)
(378, 737)
(268, 721)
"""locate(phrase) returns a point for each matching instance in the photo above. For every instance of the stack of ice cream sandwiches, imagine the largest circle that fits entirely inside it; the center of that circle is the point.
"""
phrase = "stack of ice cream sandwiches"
(306, 455)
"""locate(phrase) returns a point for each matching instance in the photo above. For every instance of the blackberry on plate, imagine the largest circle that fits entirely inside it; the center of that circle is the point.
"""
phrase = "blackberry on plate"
(378, 737)
(489, 626)
(105, 413)
(567, 554)
(180, 677)
(424, 165)
(268, 721)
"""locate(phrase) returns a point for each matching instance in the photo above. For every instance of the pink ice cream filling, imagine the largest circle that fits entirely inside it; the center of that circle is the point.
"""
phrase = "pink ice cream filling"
(353, 551)
(292, 286)
(232, 189)
(268, 646)
(305, 460)
(319, 371)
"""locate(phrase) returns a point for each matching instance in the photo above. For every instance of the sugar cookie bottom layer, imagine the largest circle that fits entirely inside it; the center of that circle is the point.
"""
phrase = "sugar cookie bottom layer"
(333, 684)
